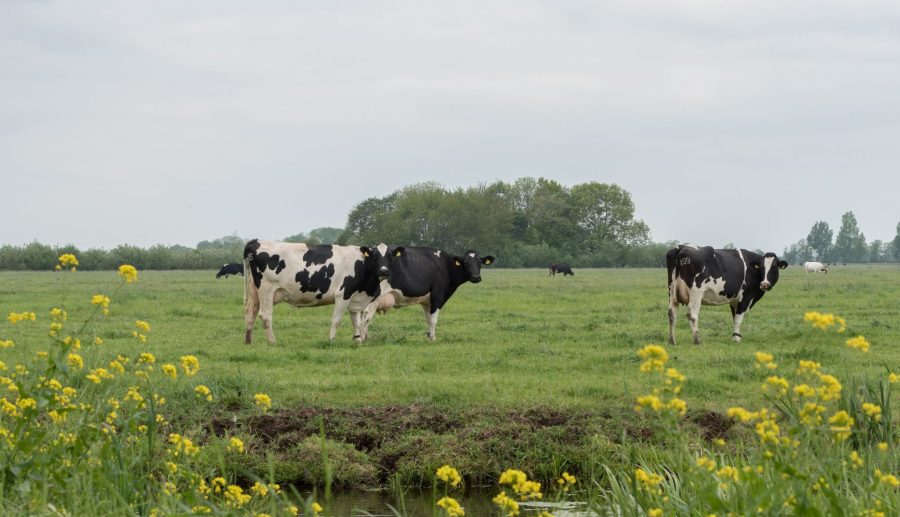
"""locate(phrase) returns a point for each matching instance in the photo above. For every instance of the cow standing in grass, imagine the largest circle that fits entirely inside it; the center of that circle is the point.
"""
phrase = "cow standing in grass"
(561, 267)
(230, 269)
(307, 276)
(421, 276)
(706, 276)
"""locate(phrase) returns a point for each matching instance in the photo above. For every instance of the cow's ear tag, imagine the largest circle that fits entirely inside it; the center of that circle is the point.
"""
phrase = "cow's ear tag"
(487, 262)
(458, 263)
(397, 253)
(755, 266)
(365, 254)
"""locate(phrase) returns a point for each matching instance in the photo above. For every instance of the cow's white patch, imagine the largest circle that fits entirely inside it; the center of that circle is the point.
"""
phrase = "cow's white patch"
(767, 266)
(711, 290)
(382, 248)
(437, 253)
(472, 255)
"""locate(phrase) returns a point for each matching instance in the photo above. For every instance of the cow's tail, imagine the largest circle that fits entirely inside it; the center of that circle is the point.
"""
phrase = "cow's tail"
(678, 291)
(251, 294)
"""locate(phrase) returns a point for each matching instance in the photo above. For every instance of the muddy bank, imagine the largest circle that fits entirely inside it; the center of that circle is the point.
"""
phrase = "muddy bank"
(375, 446)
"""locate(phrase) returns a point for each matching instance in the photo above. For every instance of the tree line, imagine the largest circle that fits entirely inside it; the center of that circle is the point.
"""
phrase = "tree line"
(848, 246)
(530, 222)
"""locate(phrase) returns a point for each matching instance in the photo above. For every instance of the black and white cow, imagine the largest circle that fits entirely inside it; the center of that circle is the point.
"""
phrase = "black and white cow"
(230, 269)
(561, 267)
(424, 276)
(307, 276)
(706, 276)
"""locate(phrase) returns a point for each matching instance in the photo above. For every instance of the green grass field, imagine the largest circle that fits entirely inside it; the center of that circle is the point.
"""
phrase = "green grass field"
(518, 339)
(529, 371)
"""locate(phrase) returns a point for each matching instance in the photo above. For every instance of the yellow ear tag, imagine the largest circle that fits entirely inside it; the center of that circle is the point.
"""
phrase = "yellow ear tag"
(458, 263)
(365, 254)
(397, 253)
(487, 262)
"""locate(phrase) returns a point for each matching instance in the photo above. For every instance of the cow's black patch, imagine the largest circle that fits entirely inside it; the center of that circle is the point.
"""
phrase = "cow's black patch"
(318, 254)
(250, 256)
(280, 267)
(318, 282)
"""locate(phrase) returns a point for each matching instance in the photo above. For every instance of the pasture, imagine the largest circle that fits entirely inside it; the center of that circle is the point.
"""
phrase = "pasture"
(518, 339)
(528, 371)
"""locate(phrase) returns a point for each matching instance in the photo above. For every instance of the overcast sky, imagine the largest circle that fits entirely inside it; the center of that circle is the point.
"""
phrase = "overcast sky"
(176, 122)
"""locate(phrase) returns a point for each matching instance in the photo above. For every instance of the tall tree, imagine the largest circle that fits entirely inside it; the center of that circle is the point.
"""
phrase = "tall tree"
(819, 240)
(850, 244)
(895, 244)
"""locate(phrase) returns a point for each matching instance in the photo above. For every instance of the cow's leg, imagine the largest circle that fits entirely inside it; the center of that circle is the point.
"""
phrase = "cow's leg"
(250, 313)
(738, 318)
(356, 321)
(673, 312)
(339, 307)
(694, 315)
(430, 320)
(266, 303)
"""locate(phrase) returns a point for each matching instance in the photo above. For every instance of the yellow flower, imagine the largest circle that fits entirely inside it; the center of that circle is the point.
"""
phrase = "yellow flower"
(882, 446)
(75, 361)
(655, 512)
(648, 481)
(764, 360)
(887, 479)
(183, 445)
(830, 389)
(893, 378)
(451, 506)
(15, 317)
(741, 414)
(825, 321)
(102, 301)
(128, 273)
(648, 401)
(507, 504)
(859, 343)
(841, 424)
(317, 508)
(98, 341)
(68, 260)
(654, 356)
(263, 401)
(190, 365)
(203, 392)
(776, 384)
(170, 371)
(811, 414)
(678, 405)
(706, 463)
(147, 358)
(235, 445)
(8, 343)
(449, 474)
(808, 367)
(260, 489)
(855, 460)
(873, 411)
(235, 496)
(566, 481)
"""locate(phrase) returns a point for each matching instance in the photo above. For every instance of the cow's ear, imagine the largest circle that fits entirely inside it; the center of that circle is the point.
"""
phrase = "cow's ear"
(457, 261)
(365, 251)
(399, 250)
(487, 261)
(782, 264)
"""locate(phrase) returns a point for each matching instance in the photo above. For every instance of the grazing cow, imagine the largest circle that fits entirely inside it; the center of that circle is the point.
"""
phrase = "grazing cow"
(424, 276)
(815, 267)
(561, 267)
(230, 269)
(307, 276)
(707, 276)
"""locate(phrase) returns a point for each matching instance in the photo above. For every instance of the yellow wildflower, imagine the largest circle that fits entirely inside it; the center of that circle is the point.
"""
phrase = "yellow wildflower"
(887, 479)
(15, 317)
(68, 260)
(235, 445)
(655, 512)
(190, 365)
(765, 360)
(893, 378)
(808, 367)
(263, 401)
(102, 301)
(566, 482)
(830, 389)
(804, 390)
(841, 424)
(128, 273)
(859, 343)
(776, 384)
(7, 343)
(649, 401)
(855, 460)
(317, 508)
(235, 496)
(882, 446)
(825, 321)
(706, 463)
(648, 481)
(654, 356)
(147, 358)
(183, 445)
(260, 489)
(449, 475)
(170, 371)
(75, 361)
(811, 414)
(677, 405)
(203, 392)
(98, 341)
(873, 411)
(451, 506)
(507, 505)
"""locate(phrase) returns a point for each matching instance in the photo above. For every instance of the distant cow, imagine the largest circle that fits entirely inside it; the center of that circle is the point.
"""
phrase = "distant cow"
(424, 276)
(307, 276)
(230, 269)
(561, 267)
(707, 276)
(815, 267)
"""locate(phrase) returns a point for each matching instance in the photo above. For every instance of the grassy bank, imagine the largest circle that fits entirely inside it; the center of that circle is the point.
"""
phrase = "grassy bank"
(528, 371)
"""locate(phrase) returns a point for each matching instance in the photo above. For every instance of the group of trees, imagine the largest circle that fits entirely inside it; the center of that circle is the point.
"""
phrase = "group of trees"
(849, 245)
(527, 223)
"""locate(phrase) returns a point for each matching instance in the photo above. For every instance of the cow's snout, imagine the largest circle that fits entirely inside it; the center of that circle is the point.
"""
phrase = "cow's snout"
(476, 279)
(383, 271)
(765, 285)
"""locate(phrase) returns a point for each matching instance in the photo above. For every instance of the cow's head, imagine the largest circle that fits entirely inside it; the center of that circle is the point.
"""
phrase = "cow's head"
(470, 265)
(381, 256)
(769, 267)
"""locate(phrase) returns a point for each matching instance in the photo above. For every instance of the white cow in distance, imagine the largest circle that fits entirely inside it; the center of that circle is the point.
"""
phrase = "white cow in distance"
(814, 267)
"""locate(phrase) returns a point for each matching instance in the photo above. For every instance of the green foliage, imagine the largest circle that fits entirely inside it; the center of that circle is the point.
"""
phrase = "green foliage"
(819, 241)
(530, 222)
(850, 243)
